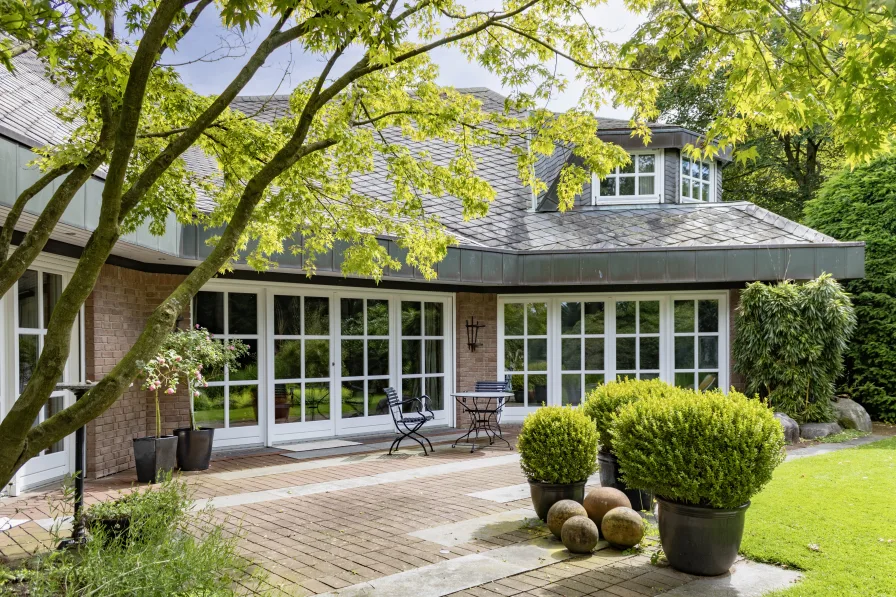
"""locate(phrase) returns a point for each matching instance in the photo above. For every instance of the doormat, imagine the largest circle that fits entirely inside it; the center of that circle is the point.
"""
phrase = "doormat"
(321, 445)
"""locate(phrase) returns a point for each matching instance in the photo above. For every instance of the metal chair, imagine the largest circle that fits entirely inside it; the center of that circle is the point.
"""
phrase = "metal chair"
(495, 415)
(412, 422)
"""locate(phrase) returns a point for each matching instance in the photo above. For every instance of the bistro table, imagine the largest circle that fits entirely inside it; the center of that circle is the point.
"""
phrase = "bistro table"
(484, 409)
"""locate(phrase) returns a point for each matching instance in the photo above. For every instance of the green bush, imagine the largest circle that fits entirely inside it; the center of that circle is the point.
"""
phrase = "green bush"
(860, 205)
(789, 342)
(557, 444)
(605, 400)
(704, 449)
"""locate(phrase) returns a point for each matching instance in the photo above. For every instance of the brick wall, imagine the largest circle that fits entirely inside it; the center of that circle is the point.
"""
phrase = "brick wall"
(733, 302)
(114, 317)
(481, 364)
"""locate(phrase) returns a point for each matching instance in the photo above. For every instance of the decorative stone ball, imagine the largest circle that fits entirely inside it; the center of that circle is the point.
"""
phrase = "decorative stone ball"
(562, 511)
(601, 500)
(579, 534)
(623, 527)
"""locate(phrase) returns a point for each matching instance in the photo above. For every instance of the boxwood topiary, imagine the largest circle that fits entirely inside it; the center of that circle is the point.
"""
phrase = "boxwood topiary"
(605, 400)
(557, 444)
(703, 449)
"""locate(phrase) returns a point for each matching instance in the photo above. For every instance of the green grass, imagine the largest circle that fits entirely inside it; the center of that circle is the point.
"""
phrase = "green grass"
(843, 436)
(831, 516)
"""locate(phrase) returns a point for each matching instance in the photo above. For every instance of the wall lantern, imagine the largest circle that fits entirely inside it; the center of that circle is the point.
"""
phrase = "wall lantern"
(473, 333)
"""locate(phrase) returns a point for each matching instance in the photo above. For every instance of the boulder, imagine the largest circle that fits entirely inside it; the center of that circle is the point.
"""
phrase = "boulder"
(816, 430)
(561, 512)
(579, 534)
(851, 415)
(601, 500)
(791, 428)
(622, 528)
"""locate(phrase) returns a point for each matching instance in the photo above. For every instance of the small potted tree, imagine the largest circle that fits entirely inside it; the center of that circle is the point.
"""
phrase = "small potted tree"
(557, 446)
(703, 455)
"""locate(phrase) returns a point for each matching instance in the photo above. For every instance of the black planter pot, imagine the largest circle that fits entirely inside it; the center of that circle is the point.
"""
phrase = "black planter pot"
(545, 495)
(194, 448)
(609, 477)
(154, 455)
(698, 540)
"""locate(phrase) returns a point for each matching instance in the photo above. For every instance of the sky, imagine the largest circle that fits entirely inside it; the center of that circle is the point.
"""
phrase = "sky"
(289, 66)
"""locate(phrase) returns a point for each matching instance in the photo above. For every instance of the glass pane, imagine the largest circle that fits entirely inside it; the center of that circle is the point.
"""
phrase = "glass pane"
(594, 354)
(649, 317)
(646, 185)
(537, 390)
(351, 314)
(317, 316)
(377, 317)
(650, 353)
(288, 403)
(377, 357)
(352, 399)
(28, 354)
(243, 406)
(708, 352)
(242, 313)
(649, 376)
(287, 315)
(517, 386)
(215, 374)
(208, 311)
(685, 166)
(513, 319)
(684, 352)
(704, 170)
(353, 358)
(433, 319)
(317, 359)
(513, 355)
(570, 318)
(54, 405)
(410, 356)
(537, 355)
(592, 380)
(435, 356)
(317, 401)
(625, 354)
(537, 319)
(571, 389)
(695, 169)
(52, 291)
(411, 388)
(608, 186)
(646, 163)
(706, 196)
(209, 407)
(571, 354)
(625, 317)
(626, 186)
(708, 381)
(27, 289)
(594, 318)
(410, 319)
(708, 316)
(247, 365)
(685, 380)
(685, 187)
(628, 168)
(287, 359)
(435, 392)
(377, 401)
(684, 316)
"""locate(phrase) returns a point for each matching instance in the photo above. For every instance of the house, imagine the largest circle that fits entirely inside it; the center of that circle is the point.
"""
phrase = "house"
(640, 279)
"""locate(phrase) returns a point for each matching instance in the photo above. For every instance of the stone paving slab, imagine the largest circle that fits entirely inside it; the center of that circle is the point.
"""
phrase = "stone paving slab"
(483, 527)
(746, 579)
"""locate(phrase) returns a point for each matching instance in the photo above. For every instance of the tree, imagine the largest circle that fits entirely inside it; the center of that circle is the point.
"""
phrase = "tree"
(860, 205)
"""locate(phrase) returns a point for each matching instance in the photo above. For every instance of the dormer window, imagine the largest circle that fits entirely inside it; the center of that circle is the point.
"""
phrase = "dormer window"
(696, 180)
(639, 181)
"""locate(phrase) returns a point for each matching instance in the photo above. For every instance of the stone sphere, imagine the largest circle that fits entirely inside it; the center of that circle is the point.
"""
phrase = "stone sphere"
(562, 511)
(579, 534)
(601, 500)
(623, 527)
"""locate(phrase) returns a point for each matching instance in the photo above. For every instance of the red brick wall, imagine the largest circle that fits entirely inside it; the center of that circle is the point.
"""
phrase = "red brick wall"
(481, 364)
(114, 317)
(737, 381)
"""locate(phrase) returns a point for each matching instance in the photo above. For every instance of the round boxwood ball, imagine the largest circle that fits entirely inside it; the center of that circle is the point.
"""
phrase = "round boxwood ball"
(562, 511)
(579, 534)
(622, 527)
(601, 500)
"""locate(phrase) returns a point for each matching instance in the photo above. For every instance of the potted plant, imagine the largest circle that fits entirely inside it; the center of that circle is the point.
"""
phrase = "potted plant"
(601, 405)
(703, 455)
(558, 446)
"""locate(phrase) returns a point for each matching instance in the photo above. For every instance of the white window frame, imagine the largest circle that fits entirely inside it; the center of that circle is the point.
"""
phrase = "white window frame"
(658, 183)
(691, 179)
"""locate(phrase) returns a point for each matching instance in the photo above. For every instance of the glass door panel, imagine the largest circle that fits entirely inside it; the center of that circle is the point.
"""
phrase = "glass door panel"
(365, 352)
(423, 352)
(581, 349)
(526, 353)
(696, 356)
(637, 339)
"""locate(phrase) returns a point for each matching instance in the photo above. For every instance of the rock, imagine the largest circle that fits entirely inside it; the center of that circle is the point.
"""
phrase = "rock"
(601, 500)
(816, 430)
(622, 527)
(579, 534)
(851, 415)
(561, 512)
(791, 428)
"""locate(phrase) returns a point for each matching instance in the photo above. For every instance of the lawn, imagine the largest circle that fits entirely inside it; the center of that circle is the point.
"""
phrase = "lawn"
(833, 517)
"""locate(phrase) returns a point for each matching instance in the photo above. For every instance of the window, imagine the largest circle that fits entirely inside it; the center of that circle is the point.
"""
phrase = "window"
(231, 398)
(526, 352)
(696, 180)
(581, 349)
(697, 344)
(638, 181)
(365, 349)
(637, 339)
(423, 352)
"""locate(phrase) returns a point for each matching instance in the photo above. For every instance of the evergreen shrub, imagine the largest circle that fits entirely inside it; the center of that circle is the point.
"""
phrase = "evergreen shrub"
(557, 444)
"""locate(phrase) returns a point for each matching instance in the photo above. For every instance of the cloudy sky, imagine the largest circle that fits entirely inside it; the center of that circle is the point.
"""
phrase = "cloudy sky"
(289, 66)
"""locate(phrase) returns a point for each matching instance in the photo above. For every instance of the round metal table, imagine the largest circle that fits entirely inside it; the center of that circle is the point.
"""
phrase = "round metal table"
(484, 409)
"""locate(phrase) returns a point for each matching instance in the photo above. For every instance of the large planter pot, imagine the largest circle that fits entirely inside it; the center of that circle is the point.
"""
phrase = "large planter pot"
(609, 477)
(699, 540)
(545, 495)
(154, 455)
(194, 448)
